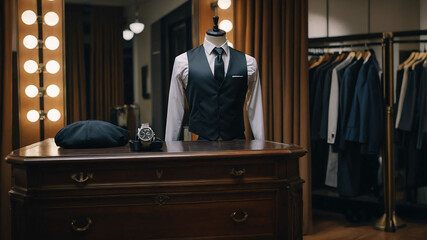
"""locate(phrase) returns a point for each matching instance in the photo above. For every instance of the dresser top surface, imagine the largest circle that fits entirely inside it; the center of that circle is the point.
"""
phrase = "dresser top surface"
(47, 151)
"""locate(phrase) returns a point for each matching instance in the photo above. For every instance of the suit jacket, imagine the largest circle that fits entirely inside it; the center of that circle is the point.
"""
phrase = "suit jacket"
(367, 114)
(422, 108)
(316, 116)
(354, 122)
(325, 102)
(410, 101)
(347, 90)
(372, 135)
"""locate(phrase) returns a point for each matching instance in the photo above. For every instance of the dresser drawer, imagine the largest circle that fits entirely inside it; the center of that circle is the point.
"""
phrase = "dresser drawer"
(85, 175)
(249, 215)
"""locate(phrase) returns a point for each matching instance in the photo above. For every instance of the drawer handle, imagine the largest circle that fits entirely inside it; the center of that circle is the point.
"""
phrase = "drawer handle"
(81, 177)
(81, 229)
(239, 216)
(237, 172)
(159, 173)
(161, 199)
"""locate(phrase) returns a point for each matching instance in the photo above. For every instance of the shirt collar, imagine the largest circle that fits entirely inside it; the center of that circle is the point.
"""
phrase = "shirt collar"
(209, 47)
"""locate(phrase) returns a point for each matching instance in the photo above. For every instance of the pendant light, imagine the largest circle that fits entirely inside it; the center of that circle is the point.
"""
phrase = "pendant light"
(136, 27)
(127, 34)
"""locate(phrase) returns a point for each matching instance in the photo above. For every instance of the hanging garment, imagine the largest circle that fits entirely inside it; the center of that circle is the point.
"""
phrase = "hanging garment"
(326, 91)
(334, 100)
(332, 165)
(422, 109)
(372, 132)
(347, 90)
(319, 147)
(319, 82)
(353, 130)
(410, 99)
(402, 95)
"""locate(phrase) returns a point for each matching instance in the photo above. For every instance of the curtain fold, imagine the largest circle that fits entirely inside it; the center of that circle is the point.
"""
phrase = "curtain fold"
(6, 38)
(76, 72)
(275, 32)
(95, 77)
(106, 61)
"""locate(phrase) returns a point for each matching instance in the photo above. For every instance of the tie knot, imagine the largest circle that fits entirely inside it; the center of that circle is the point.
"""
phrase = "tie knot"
(218, 51)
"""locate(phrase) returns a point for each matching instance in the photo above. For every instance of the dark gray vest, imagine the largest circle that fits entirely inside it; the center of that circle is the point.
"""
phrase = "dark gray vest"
(216, 110)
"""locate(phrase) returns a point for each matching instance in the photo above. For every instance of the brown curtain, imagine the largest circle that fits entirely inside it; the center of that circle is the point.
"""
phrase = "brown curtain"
(275, 33)
(106, 61)
(6, 33)
(76, 72)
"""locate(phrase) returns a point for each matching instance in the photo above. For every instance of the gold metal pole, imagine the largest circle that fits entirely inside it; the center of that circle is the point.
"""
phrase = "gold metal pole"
(389, 221)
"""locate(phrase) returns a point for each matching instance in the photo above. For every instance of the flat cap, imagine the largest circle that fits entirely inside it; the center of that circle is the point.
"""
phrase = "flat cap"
(92, 134)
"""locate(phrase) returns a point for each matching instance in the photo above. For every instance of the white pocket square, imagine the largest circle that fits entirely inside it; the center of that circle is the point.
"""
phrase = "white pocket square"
(237, 76)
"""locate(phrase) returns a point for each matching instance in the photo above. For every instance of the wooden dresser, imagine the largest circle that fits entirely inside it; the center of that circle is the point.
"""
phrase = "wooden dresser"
(190, 190)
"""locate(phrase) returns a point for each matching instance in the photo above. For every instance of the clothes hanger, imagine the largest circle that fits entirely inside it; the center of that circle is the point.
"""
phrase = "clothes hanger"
(407, 60)
(352, 53)
(322, 59)
(421, 58)
(367, 53)
(417, 57)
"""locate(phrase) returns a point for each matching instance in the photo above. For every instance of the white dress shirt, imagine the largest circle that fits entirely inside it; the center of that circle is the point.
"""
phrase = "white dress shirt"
(179, 80)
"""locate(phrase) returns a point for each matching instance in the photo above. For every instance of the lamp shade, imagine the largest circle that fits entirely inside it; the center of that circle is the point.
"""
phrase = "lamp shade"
(52, 67)
(137, 27)
(31, 91)
(224, 4)
(51, 18)
(30, 41)
(28, 17)
(53, 115)
(51, 43)
(33, 116)
(52, 90)
(31, 66)
(127, 34)
(226, 25)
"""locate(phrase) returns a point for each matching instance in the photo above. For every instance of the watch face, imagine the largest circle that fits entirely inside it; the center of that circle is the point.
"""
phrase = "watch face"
(145, 134)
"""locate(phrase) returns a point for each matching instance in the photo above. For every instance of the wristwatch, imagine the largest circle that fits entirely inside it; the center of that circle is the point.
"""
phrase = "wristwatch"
(145, 135)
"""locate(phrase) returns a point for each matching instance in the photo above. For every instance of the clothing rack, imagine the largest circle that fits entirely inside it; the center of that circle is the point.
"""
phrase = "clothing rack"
(389, 221)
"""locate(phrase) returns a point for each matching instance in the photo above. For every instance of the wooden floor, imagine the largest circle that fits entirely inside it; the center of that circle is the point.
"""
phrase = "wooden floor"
(331, 226)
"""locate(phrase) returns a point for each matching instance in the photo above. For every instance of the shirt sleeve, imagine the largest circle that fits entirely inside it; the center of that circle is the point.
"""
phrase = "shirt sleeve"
(179, 81)
(254, 99)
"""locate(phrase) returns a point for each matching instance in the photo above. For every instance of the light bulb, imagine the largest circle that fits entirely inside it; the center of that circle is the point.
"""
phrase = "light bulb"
(52, 67)
(30, 41)
(33, 116)
(53, 115)
(52, 90)
(136, 27)
(226, 25)
(51, 43)
(230, 44)
(31, 91)
(28, 17)
(224, 4)
(127, 34)
(31, 66)
(51, 18)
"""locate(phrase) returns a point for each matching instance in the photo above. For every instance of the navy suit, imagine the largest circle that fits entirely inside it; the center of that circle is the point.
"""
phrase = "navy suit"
(364, 131)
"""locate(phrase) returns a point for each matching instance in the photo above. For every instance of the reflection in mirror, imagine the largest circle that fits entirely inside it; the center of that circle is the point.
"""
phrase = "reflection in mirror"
(99, 61)
(104, 71)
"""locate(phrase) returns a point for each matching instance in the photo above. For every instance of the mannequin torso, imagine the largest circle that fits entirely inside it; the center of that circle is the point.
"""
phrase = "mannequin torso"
(218, 41)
